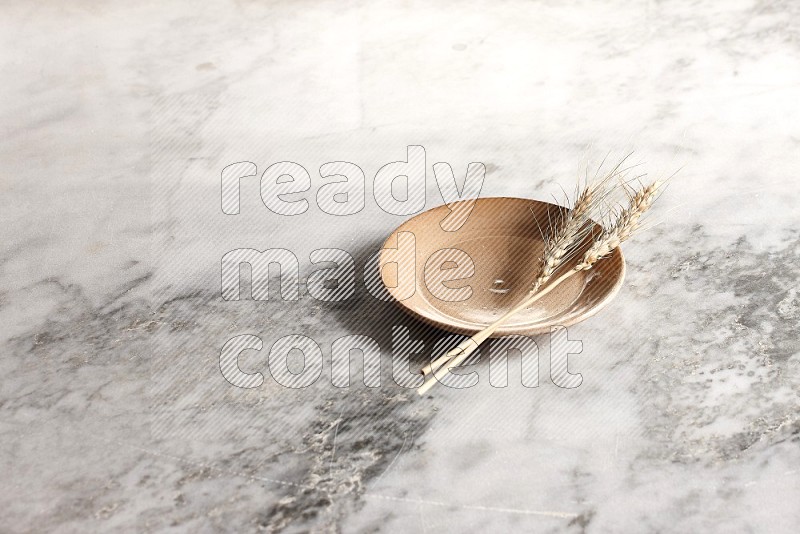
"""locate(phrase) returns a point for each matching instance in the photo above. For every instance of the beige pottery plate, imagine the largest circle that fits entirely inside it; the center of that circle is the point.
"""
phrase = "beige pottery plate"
(463, 280)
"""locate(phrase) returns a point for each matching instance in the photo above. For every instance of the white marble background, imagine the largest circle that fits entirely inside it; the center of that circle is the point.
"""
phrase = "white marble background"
(117, 119)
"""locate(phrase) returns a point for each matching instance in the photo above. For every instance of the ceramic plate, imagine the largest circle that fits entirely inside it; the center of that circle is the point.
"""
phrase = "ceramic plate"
(463, 280)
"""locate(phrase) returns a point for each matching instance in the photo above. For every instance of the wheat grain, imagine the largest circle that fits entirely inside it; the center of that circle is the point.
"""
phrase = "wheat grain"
(571, 229)
(625, 225)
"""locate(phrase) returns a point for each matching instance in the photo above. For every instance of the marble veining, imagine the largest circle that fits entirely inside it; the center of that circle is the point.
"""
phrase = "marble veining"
(117, 121)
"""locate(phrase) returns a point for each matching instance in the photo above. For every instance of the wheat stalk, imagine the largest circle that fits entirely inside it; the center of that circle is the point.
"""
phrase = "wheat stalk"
(561, 243)
(571, 228)
(626, 223)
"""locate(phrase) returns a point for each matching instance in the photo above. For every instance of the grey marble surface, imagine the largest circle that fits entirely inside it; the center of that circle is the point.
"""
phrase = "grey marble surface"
(117, 120)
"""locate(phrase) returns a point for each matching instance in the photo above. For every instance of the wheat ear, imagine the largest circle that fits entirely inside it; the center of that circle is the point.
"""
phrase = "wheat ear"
(572, 227)
(624, 226)
(567, 234)
(626, 223)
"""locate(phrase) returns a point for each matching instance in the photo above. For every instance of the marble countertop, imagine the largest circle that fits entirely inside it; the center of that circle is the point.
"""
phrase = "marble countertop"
(117, 122)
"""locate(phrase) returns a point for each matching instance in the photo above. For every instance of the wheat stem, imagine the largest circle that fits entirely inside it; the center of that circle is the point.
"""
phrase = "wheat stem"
(462, 351)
